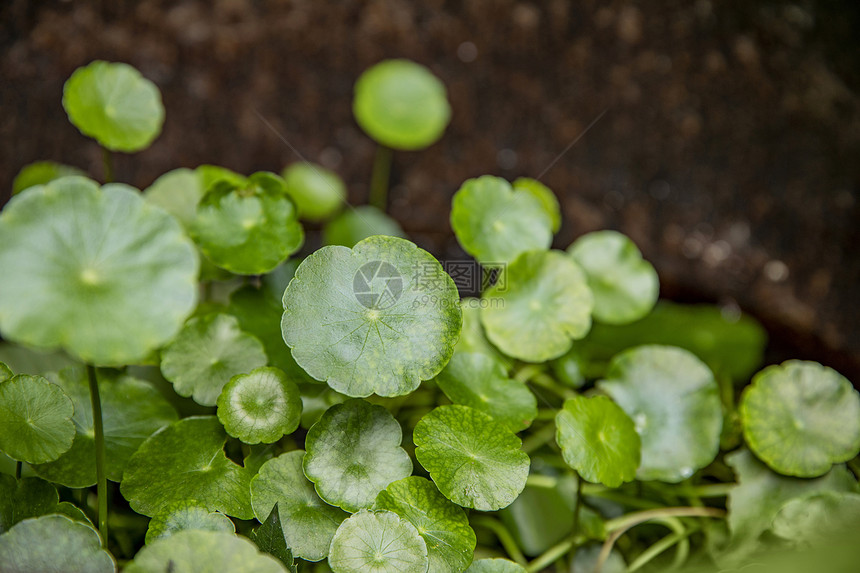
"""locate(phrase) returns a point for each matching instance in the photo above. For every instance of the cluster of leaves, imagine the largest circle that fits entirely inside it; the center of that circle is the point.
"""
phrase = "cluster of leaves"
(345, 409)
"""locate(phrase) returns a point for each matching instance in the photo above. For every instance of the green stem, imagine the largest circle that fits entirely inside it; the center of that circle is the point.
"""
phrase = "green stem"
(527, 372)
(550, 556)
(649, 554)
(577, 510)
(379, 178)
(18, 467)
(503, 535)
(100, 452)
(545, 381)
(107, 164)
(539, 438)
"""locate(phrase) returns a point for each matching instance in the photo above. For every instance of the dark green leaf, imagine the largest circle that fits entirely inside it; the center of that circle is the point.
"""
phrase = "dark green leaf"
(270, 538)
(35, 418)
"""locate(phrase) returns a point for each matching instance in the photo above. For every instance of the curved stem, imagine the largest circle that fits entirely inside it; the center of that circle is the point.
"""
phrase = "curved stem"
(539, 438)
(503, 535)
(379, 178)
(99, 437)
(550, 556)
(107, 164)
(646, 556)
(620, 525)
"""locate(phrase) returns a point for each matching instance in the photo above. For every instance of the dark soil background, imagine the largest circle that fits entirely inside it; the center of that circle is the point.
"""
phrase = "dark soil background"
(729, 148)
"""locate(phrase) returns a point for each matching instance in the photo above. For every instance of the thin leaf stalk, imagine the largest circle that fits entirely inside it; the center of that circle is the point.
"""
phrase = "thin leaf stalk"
(99, 438)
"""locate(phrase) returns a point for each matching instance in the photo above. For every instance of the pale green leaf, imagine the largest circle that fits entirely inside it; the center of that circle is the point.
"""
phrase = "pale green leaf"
(475, 461)
(377, 542)
(818, 518)
(543, 194)
(353, 453)
(261, 406)
(53, 544)
(497, 565)
(186, 515)
(178, 192)
(362, 319)
(317, 192)
(472, 337)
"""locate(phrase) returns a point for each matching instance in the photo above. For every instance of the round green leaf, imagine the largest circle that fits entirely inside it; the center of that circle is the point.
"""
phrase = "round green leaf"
(209, 351)
(261, 406)
(674, 402)
(115, 105)
(96, 271)
(198, 551)
(497, 565)
(186, 462)
(248, 229)
(496, 223)
(53, 544)
(480, 381)
(353, 453)
(358, 223)
(444, 526)
(24, 498)
(317, 192)
(307, 521)
(598, 440)
(178, 192)
(815, 519)
(212, 174)
(544, 304)
(378, 318)
(543, 194)
(475, 461)
(377, 541)
(183, 516)
(401, 104)
(41, 172)
(800, 418)
(35, 419)
(132, 410)
(625, 286)
(472, 337)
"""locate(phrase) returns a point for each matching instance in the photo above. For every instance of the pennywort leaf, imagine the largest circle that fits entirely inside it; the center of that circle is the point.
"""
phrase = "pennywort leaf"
(358, 223)
(261, 406)
(495, 223)
(114, 104)
(815, 519)
(41, 172)
(474, 460)
(132, 410)
(35, 418)
(543, 194)
(178, 192)
(353, 453)
(53, 544)
(308, 522)
(674, 402)
(183, 516)
(401, 104)
(72, 267)
(196, 551)
(542, 307)
(625, 286)
(444, 526)
(496, 565)
(598, 440)
(378, 318)
(800, 418)
(317, 192)
(248, 229)
(25, 498)
(186, 461)
(480, 381)
(472, 337)
(206, 353)
(377, 541)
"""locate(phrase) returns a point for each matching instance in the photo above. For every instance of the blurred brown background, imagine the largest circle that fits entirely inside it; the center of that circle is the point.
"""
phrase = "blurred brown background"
(729, 150)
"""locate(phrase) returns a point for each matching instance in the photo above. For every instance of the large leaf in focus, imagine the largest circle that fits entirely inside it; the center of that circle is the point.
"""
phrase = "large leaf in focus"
(114, 104)
(132, 410)
(543, 306)
(186, 462)
(761, 493)
(625, 286)
(479, 381)
(377, 542)
(358, 223)
(35, 418)
(186, 515)
(248, 229)
(353, 453)
(401, 104)
(197, 551)
(674, 401)
(495, 223)
(800, 418)
(598, 440)
(208, 351)
(475, 461)
(98, 272)
(378, 318)
(444, 526)
(53, 544)
(261, 406)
